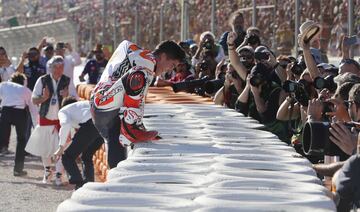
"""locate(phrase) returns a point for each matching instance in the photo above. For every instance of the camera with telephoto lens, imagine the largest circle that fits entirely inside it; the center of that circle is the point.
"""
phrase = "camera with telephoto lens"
(189, 85)
(327, 82)
(199, 86)
(299, 89)
(316, 140)
(214, 85)
(298, 67)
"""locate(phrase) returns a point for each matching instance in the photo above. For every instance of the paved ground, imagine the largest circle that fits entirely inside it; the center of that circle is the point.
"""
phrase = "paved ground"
(28, 193)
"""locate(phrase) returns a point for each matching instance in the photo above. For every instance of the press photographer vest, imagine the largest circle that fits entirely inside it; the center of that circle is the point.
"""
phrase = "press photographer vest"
(47, 81)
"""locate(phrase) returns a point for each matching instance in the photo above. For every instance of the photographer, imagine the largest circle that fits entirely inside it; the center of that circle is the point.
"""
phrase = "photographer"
(236, 22)
(346, 140)
(33, 69)
(293, 108)
(264, 96)
(242, 59)
(206, 66)
(207, 43)
(233, 86)
(265, 56)
(6, 68)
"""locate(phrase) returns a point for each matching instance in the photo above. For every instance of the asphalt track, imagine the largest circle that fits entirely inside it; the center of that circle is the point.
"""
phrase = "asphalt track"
(28, 193)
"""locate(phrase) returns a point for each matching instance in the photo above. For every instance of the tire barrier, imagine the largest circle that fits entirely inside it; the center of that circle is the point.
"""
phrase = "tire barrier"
(202, 165)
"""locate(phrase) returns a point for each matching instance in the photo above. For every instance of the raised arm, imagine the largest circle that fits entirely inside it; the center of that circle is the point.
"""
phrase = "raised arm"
(234, 58)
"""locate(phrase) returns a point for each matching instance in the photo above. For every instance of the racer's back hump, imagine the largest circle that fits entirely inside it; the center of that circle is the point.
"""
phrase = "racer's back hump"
(126, 56)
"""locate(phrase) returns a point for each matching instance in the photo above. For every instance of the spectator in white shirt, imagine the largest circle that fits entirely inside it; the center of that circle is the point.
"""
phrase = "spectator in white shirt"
(16, 97)
(6, 68)
(49, 90)
(86, 140)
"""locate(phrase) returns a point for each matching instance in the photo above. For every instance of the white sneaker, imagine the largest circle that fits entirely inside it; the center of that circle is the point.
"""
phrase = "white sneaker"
(58, 179)
(47, 176)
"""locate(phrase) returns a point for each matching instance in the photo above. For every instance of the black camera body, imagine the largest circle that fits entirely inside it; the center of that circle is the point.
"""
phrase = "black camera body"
(212, 86)
(299, 89)
(189, 85)
(327, 82)
(199, 86)
(257, 80)
(298, 67)
(316, 139)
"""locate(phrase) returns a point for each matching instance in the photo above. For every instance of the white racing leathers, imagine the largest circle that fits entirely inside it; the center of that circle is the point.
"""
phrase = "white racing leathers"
(122, 88)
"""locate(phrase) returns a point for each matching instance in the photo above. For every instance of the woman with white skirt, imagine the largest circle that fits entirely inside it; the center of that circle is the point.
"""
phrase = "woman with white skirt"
(48, 92)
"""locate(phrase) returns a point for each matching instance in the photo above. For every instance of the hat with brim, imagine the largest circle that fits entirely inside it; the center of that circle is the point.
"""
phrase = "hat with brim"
(309, 30)
(245, 48)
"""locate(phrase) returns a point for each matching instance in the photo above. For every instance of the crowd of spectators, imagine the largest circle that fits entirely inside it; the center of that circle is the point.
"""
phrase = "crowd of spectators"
(277, 23)
(307, 102)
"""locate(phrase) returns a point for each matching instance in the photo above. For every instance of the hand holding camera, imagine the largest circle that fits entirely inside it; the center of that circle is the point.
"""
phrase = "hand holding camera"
(344, 138)
(315, 110)
(256, 90)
